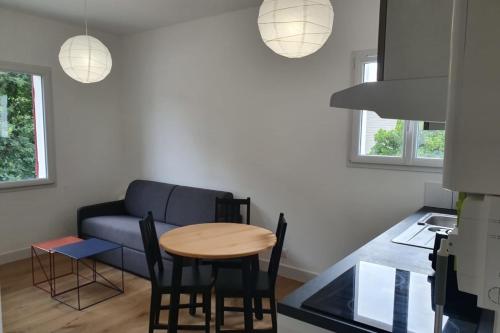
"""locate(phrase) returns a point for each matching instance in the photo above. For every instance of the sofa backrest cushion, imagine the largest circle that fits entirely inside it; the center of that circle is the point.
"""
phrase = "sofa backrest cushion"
(190, 205)
(144, 196)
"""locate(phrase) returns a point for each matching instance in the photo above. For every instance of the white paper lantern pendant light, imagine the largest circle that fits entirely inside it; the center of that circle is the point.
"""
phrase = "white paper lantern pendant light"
(85, 58)
(295, 28)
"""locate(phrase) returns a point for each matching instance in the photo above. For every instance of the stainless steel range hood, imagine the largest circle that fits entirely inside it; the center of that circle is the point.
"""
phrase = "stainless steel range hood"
(412, 99)
(413, 63)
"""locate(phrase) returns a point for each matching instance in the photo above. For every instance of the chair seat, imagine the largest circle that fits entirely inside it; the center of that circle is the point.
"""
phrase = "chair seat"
(192, 279)
(230, 282)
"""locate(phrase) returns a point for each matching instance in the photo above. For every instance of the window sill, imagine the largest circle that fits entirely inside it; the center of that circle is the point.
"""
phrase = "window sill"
(24, 184)
(395, 167)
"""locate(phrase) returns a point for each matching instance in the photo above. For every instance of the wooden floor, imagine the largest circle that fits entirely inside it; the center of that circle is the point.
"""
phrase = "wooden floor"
(31, 310)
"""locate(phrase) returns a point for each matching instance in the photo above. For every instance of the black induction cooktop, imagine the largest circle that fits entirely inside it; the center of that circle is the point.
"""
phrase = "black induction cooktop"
(384, 298)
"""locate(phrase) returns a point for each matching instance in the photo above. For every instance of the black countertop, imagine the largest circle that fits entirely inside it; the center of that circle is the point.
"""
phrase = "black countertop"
(380, 250)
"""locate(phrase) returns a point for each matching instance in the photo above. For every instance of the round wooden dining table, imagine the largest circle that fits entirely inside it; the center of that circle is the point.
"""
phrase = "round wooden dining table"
(215, 241)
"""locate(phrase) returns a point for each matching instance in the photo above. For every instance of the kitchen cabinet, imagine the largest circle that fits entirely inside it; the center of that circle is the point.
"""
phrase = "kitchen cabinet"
(414, 40)
(472, 155)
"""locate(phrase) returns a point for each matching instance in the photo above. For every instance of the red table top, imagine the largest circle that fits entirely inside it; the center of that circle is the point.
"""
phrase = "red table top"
(50, 245)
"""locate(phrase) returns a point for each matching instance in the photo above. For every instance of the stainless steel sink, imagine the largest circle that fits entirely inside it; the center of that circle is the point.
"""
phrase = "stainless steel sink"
(440, 220)
(423, 232)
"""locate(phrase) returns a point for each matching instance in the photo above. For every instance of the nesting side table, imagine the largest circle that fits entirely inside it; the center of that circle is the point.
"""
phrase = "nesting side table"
(79, 252)
(49, 275)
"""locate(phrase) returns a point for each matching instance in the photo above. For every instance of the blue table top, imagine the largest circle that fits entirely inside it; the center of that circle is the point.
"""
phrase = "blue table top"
(87, 248)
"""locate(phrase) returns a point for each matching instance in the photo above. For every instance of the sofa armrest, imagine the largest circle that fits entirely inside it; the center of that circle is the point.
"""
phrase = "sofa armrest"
(102, 209)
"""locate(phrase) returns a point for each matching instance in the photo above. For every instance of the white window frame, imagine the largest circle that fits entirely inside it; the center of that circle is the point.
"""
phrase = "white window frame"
(408, 160)
(46, 78)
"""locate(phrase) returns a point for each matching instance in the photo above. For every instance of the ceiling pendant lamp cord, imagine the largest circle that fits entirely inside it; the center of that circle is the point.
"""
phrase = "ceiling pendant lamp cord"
(85, 15)
(88, 41)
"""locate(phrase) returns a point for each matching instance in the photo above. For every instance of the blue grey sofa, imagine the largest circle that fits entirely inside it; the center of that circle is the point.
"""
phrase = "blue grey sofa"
(118, 221)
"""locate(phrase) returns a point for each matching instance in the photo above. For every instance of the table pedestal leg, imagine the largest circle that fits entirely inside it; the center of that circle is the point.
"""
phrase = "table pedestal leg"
(173, 315)
(247, 298)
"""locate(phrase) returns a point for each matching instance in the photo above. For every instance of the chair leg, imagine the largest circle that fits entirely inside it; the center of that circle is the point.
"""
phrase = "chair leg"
(259, 315)
(154, 310)
(222, 311)
(158, 309)
(173, 313)
(274, 321)
(207, 307)
(218, 312)
(192, 304)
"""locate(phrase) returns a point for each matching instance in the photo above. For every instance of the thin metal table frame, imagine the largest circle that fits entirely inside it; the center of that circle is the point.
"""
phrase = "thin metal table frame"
(51, 276)
(81, 261)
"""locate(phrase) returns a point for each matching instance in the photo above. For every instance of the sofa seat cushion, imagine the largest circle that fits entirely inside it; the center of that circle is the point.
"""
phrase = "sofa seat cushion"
(121, 229)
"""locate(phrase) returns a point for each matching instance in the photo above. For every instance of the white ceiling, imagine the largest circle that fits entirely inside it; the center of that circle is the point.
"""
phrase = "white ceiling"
(127, 16)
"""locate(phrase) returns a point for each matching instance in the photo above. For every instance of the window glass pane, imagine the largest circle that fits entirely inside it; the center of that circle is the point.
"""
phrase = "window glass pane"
(379, 137)
(430, 143)
(370, 72)
(22, 133)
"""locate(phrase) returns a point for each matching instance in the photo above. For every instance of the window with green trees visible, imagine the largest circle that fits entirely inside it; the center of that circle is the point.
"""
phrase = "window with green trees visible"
(23, 153)
(388, 142)
(430, 143)
(392, 141)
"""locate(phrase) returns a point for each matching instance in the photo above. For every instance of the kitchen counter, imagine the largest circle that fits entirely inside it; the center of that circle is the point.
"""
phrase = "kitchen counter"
(380, 250)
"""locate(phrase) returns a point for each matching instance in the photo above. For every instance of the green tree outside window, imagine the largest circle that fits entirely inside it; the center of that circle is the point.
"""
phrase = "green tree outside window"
(17, 148)
(390, 142)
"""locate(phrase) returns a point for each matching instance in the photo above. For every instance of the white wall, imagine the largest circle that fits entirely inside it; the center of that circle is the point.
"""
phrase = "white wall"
(88, 137)
(208, 105)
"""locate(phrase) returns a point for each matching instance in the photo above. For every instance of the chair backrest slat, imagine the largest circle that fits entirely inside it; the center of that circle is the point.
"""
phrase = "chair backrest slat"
(151, 247)
(229, 210)
(274, 262)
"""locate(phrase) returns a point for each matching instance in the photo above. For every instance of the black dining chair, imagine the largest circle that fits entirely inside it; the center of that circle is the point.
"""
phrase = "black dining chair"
(229, 210)
(196, 279)
(229, 283)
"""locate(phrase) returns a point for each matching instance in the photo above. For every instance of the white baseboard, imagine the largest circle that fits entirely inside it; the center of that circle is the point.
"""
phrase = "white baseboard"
(14, 255)
(291, 272)
(1, 313)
